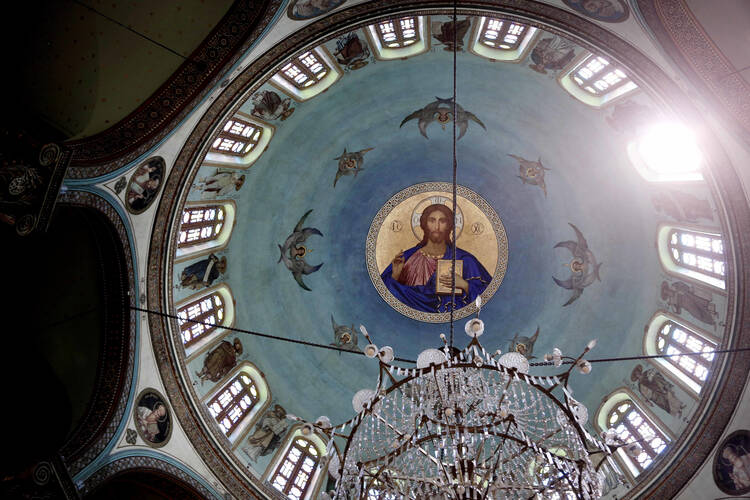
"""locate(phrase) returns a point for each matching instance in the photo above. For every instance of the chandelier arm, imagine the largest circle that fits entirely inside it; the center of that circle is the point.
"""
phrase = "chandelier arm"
(448, 477)
(497, 462)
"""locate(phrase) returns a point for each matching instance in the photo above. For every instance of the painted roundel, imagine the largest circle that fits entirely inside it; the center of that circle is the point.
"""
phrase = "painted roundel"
(152, 418)
(411, 269)
(732, 464)
(608, 11)
(300, 10)
(144, 185)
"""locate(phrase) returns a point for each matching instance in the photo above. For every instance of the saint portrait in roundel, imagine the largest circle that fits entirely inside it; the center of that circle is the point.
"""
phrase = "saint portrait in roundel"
(732, 464)
(412, 269)
(152, 418)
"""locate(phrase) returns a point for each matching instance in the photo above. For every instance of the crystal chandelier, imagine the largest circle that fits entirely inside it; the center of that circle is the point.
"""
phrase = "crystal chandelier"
(468, 424)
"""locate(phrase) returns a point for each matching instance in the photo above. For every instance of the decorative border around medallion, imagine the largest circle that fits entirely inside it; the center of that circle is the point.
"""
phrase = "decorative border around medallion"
(371, 254)
(153, 433)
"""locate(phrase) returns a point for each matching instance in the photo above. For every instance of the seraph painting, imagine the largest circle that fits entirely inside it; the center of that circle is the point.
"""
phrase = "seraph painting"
(152, 418)
(409, 251)
(144, 185)
(299, 10)
(732, 464)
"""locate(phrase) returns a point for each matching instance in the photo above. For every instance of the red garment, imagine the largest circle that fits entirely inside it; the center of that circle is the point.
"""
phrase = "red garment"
(418, 270)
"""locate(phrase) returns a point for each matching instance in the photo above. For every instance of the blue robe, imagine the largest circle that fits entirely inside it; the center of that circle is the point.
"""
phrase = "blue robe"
(423, 297)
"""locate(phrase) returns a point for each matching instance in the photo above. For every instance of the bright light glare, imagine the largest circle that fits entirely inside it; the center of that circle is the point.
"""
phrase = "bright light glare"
(670, 148)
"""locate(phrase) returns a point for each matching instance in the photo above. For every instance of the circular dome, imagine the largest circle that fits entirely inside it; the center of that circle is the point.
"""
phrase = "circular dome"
(297, 212)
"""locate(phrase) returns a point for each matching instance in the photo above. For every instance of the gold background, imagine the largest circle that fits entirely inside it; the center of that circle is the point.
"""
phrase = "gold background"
(483, 246)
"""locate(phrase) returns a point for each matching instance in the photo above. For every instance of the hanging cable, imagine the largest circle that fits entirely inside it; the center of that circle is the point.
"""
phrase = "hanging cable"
(404, 360)
(258, 334)
(455, 165)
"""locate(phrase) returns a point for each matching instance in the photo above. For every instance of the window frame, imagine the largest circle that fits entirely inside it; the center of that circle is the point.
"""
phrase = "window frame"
(334, 73)
(319, 440)
(681, 248)
(296, 467)
(601, 424)
(566, 80)
(684, 272)
(186, 227)
(304, 69)
(624, 420)
(206, 339)
(606, 68)
(216, 311)
(706, 360)
(249, 389)
(228, 159)
(527, 40)
(664, 365)
(398, 31)
(183, 253)
(505, 27)
(246, 423)
(384, 53)
(249, 142)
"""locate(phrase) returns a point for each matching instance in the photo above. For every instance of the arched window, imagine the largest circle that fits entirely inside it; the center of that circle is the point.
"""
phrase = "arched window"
(673, 338)
(206, 313)
(632, 425)
(234, 402)
(693, 254)
(596, 80)
(237, 138)
(597, 76)
(293, 476)
(305, 70)
(200, 224)
(398, 33)
(702, 252)
(307, 75)
(501, 39)
(501, 34)
(398, 38)
(205, 227)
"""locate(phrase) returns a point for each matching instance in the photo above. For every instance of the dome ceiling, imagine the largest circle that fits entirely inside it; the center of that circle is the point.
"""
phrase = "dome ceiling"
(592, 209)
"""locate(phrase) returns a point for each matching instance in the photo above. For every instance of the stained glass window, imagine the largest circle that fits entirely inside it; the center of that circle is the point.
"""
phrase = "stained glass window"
(234, 402)
(305, 70)
(206, 313)
(598, 76)
(398, 33)
(502, 34)
(294, 473)
(237, 138)
(701, 252)
(200, 224)
(632, 425)
(676, 339)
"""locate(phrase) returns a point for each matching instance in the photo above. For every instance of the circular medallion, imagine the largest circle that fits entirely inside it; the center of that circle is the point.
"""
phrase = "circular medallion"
(144, 185)
(609, 11)
(411, 270)
(152, 418)
(732, 464)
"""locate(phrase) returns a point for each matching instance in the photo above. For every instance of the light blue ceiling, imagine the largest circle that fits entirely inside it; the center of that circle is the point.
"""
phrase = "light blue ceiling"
(590, 184)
